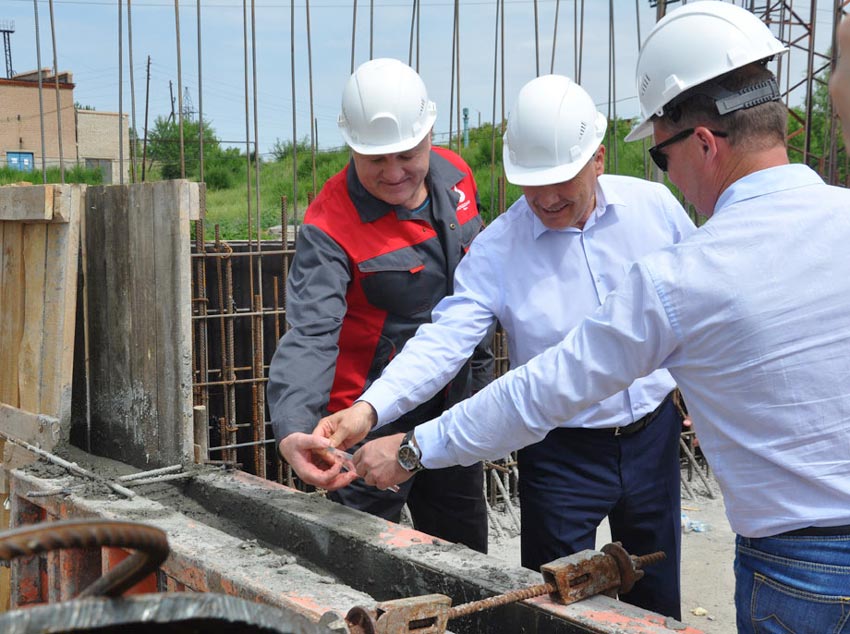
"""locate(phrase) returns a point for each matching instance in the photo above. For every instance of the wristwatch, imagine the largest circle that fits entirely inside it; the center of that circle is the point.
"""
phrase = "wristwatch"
(409, 454)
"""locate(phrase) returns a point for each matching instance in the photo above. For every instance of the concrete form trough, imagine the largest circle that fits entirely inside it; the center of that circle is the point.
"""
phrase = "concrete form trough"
(239, 535)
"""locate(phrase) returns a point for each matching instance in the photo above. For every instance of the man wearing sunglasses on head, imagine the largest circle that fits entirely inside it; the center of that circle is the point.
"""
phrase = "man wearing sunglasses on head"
(749, 314)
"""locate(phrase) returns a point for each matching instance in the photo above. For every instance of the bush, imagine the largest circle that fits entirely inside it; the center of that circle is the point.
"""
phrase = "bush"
(218, 177)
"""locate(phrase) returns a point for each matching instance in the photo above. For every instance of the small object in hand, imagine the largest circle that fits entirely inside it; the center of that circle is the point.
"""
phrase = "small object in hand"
(348, 463)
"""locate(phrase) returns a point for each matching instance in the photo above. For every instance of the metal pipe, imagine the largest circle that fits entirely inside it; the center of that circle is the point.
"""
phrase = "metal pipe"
(135, 135)
(58, 101)
(41, 92)
(179, 90)
(149, 474)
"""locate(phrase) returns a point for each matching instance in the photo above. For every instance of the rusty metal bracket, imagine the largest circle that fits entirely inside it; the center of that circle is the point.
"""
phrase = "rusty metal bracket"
(567, 580)
(426, 614)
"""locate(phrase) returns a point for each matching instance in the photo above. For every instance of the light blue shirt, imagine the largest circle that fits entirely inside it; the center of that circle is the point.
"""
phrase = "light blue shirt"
(751, 315)
(539, 283)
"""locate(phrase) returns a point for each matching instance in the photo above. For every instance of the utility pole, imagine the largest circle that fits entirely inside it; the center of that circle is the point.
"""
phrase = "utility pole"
(171, 92)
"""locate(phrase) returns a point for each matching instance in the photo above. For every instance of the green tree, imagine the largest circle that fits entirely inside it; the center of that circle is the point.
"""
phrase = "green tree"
(164, 147)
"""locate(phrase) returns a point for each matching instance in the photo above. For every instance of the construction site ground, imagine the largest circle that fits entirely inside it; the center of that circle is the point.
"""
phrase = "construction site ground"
(708, 553)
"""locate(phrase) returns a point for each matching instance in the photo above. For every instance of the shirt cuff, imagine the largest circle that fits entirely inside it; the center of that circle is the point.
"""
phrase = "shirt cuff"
(384, 402)
(434, 452)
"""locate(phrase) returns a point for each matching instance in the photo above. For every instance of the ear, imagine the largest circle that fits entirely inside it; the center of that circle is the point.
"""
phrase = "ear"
(707, 141)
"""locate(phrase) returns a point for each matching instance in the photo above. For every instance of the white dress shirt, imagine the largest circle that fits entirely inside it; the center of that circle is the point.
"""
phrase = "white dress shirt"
(539, 283)
(751, 315)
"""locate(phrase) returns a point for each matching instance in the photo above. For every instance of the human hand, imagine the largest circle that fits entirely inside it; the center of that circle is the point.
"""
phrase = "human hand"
(315, 464)
(349, 426)
(377, 462)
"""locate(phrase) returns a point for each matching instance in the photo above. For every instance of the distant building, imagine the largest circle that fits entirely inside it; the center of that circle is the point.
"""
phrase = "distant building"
(97, 143)
(89, 138)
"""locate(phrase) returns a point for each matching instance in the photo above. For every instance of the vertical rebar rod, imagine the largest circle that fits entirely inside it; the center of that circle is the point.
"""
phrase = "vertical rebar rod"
(452, 76)
(493, 199)
(353, 34)
(457, 59)
(203, 303)
(257, 330)
(371, 26)
(121, 95)
(554, 36)
(418, 30)
(248, 202)
(134, 137)
(294, 126)
(231, 357)
(179, 90)
(40, 93)
(412, 25)
(313, 131)
(58, 100)
(222, 311)
(147, 107)
(200, 105)
(259, 388)
(536, 43)
(581, 44)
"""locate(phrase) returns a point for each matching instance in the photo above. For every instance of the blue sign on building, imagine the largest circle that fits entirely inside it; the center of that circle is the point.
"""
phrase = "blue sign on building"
(22, 161)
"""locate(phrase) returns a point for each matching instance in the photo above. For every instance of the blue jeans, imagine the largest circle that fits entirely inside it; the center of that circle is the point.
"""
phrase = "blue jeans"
(793, 584)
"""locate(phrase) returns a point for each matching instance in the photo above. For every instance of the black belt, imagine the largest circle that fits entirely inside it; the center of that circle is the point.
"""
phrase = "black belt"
(818, 531)
(640, 423)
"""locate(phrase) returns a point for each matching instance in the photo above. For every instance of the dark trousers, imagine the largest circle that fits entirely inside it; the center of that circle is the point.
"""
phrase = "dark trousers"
(446, 503)
(574, 478)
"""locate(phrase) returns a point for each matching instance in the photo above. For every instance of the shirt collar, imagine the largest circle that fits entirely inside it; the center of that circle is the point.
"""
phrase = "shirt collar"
(606, 197)
(767, 181)
(370, 208)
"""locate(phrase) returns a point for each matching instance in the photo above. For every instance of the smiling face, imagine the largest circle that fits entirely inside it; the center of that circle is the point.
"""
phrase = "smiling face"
(567, 204)
(397, 179)
(839, 83)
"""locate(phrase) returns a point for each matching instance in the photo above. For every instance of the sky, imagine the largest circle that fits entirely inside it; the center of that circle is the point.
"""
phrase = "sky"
(87, 44)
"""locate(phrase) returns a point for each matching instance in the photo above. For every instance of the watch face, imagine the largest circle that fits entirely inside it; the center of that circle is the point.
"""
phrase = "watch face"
(408, 457)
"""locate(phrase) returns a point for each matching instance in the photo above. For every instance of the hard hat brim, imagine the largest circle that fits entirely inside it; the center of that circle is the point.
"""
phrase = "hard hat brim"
(640, 131)
(537, 176)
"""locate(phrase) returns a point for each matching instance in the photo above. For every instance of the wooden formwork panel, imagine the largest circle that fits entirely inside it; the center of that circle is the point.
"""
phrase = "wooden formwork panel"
(39, 250)
(137, 276)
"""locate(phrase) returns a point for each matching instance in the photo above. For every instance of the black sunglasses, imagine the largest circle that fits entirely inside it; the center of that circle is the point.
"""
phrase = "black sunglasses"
(660, 159)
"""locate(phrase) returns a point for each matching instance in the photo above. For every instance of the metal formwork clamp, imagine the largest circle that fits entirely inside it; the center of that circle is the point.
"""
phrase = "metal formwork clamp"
(587, 573)
(427, 614)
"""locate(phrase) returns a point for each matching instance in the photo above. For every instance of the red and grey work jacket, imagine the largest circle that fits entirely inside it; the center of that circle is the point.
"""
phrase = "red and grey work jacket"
(365, 276)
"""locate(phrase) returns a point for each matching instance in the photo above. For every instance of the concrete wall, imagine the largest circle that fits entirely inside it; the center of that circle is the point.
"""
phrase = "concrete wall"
(20, 122)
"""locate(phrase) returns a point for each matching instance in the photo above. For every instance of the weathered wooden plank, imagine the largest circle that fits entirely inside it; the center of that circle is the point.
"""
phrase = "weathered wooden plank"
(94, 290)
(30, 352)
(60, 301)
(139, 307)
(27, 203)
(31, 427)
(110, 322)
(174, 319)
(12, 317)
(144, 244)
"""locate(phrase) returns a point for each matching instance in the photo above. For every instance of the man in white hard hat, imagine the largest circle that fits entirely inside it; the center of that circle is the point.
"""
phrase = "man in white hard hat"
(749, 314)
(839, 82)
(538, 269)
(377, 250)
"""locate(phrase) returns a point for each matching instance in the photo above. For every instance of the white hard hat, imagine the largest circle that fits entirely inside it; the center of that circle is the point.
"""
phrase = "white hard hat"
(691, 45)
(385, 108)
(553, 131)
